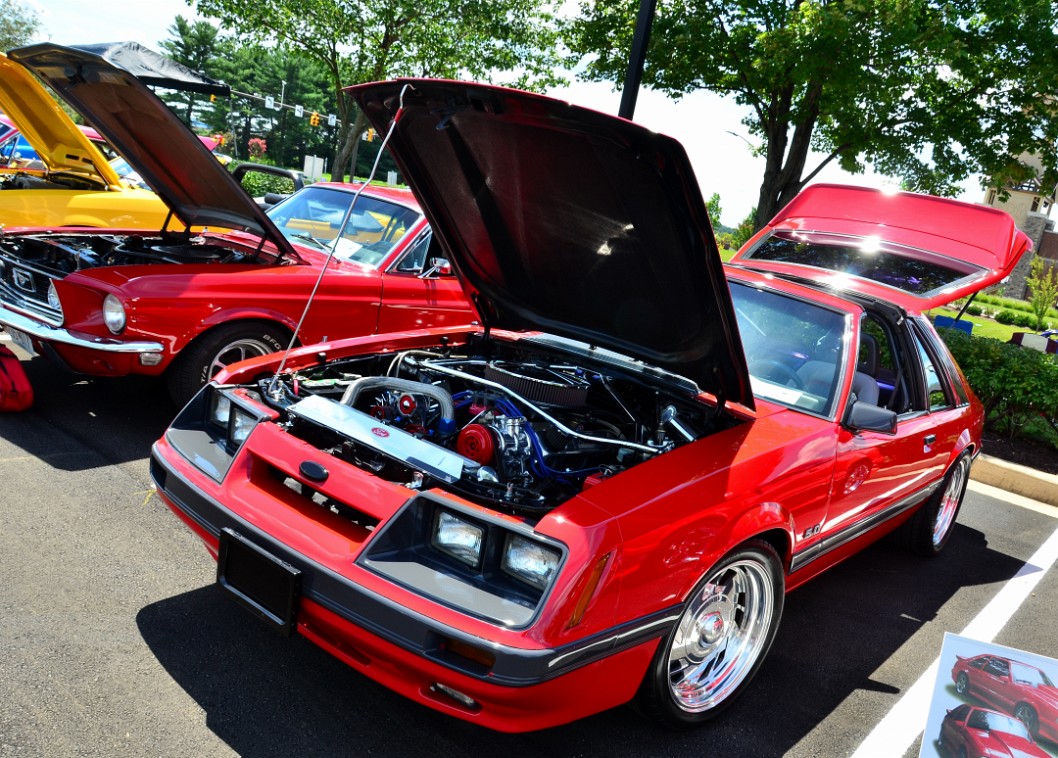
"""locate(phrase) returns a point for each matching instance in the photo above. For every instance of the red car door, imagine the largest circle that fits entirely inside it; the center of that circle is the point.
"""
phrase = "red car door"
(419, 291)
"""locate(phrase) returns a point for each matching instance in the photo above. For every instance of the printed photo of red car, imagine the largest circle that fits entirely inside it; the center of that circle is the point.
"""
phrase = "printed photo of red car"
(968, 731)
(1019, 689)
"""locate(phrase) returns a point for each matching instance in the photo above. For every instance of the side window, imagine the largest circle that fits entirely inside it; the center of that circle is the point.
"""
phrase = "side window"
(414, 260)
(878, 359)
(937, 396)
(945, 359)
(960, 713)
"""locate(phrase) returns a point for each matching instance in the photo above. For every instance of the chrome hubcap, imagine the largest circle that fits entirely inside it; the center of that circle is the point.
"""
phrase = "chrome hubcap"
(720, 635)
(949, 502)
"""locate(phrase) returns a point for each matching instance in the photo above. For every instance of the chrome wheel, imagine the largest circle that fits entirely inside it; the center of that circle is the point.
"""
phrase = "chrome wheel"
(721, 635)
(962, 684)
(237, 351)
(950, 500)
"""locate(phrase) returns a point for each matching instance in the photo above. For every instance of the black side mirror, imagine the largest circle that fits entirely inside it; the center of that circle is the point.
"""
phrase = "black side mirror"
(866, 417)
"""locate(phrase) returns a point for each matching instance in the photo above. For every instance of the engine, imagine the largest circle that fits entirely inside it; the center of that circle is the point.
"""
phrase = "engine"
(524, 431)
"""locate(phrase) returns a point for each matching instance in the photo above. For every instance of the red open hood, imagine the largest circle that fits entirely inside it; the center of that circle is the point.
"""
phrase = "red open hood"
(916, 250)
(568, 221)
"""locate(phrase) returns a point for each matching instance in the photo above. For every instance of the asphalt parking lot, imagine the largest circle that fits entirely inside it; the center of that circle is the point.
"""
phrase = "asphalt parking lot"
(113, 641)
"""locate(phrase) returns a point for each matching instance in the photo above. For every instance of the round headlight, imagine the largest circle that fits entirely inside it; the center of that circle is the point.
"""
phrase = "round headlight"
(113, 314)
(53, 298)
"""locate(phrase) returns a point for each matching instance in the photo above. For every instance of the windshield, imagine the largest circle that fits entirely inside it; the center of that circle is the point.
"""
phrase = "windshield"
(914, 271)
(314, 216)
(991, 721)
(794, 349)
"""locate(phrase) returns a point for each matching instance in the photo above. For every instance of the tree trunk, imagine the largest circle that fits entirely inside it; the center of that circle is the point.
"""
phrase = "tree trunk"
(786, 157)
(346, 158)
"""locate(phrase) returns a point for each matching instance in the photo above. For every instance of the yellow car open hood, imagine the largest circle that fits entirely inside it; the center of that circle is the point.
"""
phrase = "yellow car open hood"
(58, 142)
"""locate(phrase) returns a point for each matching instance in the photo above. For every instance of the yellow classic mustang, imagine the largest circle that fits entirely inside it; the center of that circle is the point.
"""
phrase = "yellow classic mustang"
(78, 187)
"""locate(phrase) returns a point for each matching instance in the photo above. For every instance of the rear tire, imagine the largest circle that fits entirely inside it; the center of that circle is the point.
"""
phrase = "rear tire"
(720, 640)
(927, 532)
(218, 348)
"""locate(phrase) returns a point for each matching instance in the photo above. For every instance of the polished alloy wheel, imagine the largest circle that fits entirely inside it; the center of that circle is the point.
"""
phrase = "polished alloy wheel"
(237, 351)
(720, 636)
(950, 500)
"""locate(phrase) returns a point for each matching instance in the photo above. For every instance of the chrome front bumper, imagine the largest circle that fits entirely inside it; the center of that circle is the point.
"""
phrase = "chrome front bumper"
(56, 334)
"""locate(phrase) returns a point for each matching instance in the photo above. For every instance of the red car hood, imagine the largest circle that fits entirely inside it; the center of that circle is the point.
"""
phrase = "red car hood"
(1005, 744)
(568, 221)
(916, 250)
(165, 153)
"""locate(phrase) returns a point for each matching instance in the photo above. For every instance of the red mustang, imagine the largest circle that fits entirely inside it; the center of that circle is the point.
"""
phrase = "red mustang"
(603, 492)
(1013, 687)
(181, 303)
(968, 731)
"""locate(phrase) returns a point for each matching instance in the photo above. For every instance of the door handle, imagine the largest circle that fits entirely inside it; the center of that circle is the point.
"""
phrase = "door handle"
(930, 439)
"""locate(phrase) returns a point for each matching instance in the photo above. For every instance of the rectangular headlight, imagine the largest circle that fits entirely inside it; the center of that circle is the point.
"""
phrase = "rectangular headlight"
(242, 423)
(220, 409)
(530, 561)
(458, 537)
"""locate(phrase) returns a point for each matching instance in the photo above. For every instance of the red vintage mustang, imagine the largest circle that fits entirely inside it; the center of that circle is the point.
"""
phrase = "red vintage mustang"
(1013, 687)
(181, 303)
(604, 491)
(968, 731)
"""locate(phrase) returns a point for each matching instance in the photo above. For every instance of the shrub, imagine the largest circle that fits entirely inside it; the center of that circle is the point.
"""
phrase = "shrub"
(975, 310)
(1025, 319)
(1043, 285)
(1015, 385)
(1007, 317)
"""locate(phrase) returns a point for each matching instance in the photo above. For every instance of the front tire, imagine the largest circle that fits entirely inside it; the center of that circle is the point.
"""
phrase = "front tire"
(726, 629)
(1027, 716)
(218, 348)
(927, 532)
(962, 684)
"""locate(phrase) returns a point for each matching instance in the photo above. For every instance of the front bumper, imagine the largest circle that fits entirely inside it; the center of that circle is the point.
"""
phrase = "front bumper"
(409, 652)
(57, 335)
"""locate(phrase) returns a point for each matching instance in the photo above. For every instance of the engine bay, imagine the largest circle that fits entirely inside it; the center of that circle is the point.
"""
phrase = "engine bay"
(518, 429)
(57, 255)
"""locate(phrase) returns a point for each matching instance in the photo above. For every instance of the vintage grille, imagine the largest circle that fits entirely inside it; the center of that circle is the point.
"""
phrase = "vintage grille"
(26, 288)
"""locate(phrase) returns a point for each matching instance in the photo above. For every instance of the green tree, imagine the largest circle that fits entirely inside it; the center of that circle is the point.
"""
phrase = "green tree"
(359, 42)
(926, 90)
(196, 45)
(744, 230)
(1043, 290)
(19, 24)
(712, 207)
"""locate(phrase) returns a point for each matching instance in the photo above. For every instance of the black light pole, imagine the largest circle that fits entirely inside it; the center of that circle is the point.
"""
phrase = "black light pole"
(636, 58)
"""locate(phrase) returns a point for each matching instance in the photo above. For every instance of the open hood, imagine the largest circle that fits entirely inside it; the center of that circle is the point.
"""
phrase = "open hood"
(918, 251)
(158, 146)
(568, 221)
(154, 69)
(59, 143)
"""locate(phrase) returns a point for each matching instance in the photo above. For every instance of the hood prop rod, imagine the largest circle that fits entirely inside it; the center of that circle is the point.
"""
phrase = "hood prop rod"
(273, 387)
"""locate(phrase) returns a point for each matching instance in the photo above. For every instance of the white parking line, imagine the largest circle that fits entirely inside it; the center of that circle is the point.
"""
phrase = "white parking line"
(897, 731)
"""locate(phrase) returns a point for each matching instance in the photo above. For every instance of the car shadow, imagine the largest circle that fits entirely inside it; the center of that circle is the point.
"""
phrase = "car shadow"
(265, 695)
(77, 423)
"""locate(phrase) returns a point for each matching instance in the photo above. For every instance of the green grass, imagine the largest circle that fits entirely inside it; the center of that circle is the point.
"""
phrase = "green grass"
(983, 327)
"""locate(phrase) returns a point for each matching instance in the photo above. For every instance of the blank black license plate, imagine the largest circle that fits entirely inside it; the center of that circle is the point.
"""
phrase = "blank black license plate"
(265, 585)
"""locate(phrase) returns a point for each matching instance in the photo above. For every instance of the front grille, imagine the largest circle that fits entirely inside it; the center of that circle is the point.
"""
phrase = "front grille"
(26, 288)
(337, 507)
